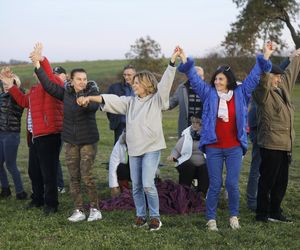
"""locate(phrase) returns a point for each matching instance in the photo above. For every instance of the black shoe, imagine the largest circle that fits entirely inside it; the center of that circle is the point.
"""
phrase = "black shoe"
(279, 218)
(33, 204)
(261, 218)
(50, 210)
(5, 192)
(21, 196)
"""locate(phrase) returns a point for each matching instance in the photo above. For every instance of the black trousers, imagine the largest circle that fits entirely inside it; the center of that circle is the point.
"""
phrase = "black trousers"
(118, 131)
(123, 172)
(273, 181)
(42, 169)
(188, 171)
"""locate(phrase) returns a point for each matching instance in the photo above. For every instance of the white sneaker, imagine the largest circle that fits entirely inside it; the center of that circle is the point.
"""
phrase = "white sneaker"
(77, 216)
(61, 190)
(234, 223)
(95, 214)
(212, 225)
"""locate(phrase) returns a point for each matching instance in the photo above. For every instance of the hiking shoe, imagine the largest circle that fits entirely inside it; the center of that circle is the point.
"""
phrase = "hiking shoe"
(5, 192)
(279, 218)
(21, 196)
(77, 216)
(212, 225)
(95, 214)
(234, 223)
(155, 224)
(61, 190)
(140, 222)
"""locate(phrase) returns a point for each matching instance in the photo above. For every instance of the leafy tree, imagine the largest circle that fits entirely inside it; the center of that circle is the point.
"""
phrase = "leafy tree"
(146, 54)
(261, 20)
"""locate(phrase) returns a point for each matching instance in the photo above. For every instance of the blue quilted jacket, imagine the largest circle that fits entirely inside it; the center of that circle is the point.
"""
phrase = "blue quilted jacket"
(210, 99)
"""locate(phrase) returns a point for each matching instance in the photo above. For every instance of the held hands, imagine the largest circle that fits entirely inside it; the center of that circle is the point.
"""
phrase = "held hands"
(294, 54)
(175, 54)
(268, 49)
(7, 77)
(83, 101)
(178, 52)
(36, 55)
(171, 158)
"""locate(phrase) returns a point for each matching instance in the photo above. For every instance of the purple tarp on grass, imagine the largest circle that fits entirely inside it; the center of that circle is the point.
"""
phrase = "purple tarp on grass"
(173, 199)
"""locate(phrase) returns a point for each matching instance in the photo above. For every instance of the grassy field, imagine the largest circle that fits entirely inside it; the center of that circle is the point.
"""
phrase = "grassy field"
(21, 229)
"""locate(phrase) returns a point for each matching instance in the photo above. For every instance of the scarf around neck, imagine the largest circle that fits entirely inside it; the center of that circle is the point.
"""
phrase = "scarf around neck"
(223, 108)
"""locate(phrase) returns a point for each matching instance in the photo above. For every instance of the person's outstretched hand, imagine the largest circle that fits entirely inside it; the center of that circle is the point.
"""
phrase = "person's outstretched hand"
(182, 56)
(269, 48)
(175, 54)
(295, 54)
(7, 78)
(36, 55)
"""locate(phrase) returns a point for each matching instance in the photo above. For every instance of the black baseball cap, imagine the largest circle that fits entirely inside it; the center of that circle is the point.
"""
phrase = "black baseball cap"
(59, 70)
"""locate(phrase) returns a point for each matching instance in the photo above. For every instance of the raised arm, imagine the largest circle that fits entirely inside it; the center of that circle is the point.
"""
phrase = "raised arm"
(7, 77)
(49, 86)
(174, 99)
(292, 71)
(37, 53)
(263, 65)
(187, 67)
(165, 84)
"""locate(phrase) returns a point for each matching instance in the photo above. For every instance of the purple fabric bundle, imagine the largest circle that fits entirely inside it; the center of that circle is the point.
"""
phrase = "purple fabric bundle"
(173, 199)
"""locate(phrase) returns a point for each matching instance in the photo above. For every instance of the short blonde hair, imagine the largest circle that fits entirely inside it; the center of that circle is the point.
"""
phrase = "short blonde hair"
(147, 80)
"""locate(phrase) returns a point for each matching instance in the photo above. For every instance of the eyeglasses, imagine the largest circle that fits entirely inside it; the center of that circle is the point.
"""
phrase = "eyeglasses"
(224, 68)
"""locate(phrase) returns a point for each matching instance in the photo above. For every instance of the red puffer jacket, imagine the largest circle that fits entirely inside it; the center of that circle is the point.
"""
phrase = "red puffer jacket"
(46, 111)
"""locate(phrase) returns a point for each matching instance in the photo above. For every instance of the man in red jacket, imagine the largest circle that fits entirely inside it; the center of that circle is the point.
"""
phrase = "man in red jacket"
(44, 124)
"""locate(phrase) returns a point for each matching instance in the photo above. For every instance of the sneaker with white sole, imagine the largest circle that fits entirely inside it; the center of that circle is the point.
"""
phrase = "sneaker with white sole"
(212, 225)
(140, 222)
(155, 224)
(61, 190)
(77, 216)
(95, 214)
(234, 223)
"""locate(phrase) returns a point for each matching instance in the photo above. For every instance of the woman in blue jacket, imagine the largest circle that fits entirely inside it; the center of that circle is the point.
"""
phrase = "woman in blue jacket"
(223, 134)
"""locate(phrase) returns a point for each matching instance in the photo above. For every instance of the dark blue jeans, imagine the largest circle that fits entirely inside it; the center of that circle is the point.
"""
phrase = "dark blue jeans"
(9, 143)
(254, 171)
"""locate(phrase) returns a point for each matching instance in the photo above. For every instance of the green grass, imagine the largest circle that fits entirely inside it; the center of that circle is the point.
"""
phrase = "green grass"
(21, 229)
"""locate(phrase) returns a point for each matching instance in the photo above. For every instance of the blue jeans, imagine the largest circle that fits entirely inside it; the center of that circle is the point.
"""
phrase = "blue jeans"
(254, 171)
(233, 161)
(9, 143)
(142, 173)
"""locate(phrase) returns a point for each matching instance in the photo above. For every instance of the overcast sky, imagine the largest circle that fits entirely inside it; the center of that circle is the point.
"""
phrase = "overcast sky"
(105, 29)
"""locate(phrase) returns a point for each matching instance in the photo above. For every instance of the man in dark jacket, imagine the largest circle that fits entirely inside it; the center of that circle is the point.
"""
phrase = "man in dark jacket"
(275, 123)
(117, 122)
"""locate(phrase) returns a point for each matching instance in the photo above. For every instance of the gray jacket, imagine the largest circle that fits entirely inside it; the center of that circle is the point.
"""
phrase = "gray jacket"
(181, 98)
